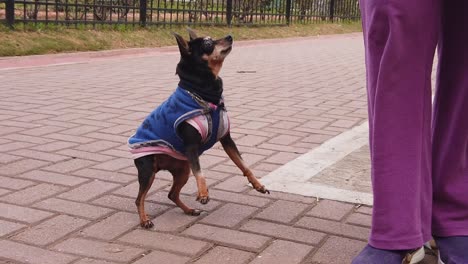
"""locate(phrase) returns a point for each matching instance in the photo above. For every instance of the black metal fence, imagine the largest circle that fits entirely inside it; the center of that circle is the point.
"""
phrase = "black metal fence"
(172, 12)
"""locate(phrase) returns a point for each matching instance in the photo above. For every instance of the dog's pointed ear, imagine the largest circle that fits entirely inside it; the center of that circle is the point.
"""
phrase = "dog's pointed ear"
(183, 45)
(192, 33)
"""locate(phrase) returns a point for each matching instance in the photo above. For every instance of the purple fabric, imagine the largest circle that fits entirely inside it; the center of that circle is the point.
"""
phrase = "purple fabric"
(415, 175)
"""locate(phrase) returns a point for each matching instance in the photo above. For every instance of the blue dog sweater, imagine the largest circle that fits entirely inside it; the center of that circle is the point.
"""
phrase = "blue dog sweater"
(159, 129)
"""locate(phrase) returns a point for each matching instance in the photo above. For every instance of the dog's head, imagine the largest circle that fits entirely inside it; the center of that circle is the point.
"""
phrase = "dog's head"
(204, 50)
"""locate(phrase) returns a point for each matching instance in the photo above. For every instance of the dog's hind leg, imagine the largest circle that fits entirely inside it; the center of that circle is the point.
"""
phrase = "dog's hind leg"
(180, 176)
(233, 153)
(147, 169)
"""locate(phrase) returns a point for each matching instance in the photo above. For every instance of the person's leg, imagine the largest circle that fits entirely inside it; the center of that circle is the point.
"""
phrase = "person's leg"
(450, 135)
(400, 38)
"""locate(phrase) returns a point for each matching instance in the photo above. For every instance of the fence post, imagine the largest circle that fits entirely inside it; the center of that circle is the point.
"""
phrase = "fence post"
(10, 12)
(288, 12)
(143, 11)
(332, 9)
(229, 12)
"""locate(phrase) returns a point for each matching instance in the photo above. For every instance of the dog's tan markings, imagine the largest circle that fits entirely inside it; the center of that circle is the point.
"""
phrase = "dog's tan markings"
(216, 59)
(203, 195)
(145, 222)
(180, 174)
(233, 153)
(180, 170)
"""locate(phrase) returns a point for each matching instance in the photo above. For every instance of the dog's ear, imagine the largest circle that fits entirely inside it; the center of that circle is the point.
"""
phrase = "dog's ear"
(192, 33)
(183, 45)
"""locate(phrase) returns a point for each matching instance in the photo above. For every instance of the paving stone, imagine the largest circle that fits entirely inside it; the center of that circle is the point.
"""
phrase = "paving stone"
(70, 165)
(80, 130)
(333, 227)
(284, 140)
(11, 130)
(26, 138)
(13, 183)
(34, 154)
(291, 149)
(40, 131)
(285, 196)
(128, 204)
(73, 208)
(166, 242)
(4, 159)
(33, 117)
(93, 261)
(365, 210)
(226, 256)
(7, 227)
(32, 194)
(360, 219)
(4, 191)
(238, 198)
(191, 202)
(282, 157)
(282, 211)
(191, 187)
(343, 123)
(131, 190)
(84, 155)
(330, 210)
(173, 220)
(250, 140)
(250, 160)
(337, 250)
(283, 252)
(70, 138)
(231, 169)
(233, 184)
(229, 215)
(162, 257)
(103, 250)
(50, 230)
(227, 237)
(98, 146)
(22, 214)
(12, 146)
(54, 146)
(89, 191)
(21, 166)
(52, 177)
(109, 137)
(114, 164)
(34, 255)
(112, 226)
(283, 231)
(106, 175)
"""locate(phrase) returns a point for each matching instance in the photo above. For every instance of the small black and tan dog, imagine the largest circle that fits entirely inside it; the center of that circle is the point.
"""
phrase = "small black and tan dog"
(189, 122)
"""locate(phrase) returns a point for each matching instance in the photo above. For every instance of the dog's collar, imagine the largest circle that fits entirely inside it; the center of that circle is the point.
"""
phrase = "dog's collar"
(205, 104)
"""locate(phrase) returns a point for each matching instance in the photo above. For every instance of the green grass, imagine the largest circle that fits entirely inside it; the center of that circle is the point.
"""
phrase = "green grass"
(40, 39)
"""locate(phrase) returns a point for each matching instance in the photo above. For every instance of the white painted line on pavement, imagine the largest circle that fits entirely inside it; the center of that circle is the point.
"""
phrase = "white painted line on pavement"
(294, 176)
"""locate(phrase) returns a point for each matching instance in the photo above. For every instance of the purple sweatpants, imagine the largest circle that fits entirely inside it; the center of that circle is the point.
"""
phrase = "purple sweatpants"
(419, 155)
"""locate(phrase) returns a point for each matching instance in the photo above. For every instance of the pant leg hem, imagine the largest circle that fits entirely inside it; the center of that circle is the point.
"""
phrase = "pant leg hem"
(397, 244)
(448, 232)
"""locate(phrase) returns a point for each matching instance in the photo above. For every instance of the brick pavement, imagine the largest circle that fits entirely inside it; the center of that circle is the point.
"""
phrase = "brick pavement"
(67, 184)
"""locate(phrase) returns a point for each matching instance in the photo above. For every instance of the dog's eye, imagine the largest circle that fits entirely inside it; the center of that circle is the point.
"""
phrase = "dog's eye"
(208, 45)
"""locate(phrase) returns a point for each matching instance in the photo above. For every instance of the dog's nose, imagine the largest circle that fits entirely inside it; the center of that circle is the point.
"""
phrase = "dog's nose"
(229, 38)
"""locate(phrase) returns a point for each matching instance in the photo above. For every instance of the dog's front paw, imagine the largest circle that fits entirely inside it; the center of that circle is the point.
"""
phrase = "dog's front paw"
(203, 199)
(147, 224)
(262, 189)
(194, 212)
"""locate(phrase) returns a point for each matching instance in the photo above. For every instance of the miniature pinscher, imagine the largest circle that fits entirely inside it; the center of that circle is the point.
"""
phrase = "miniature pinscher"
(190, 121)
